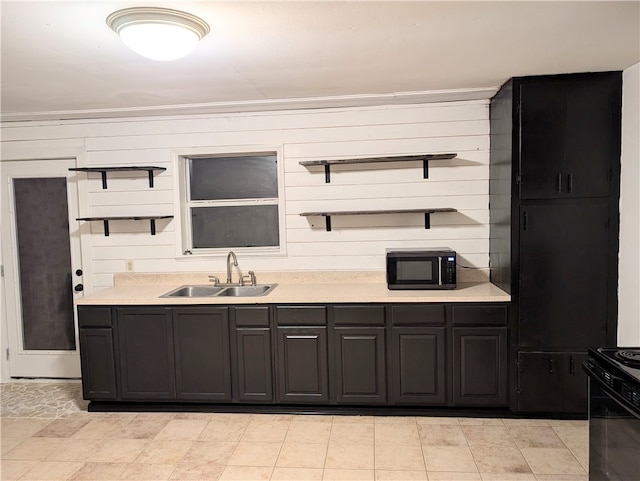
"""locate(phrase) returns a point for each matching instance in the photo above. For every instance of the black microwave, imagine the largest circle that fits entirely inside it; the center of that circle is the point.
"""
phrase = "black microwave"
(421, 269)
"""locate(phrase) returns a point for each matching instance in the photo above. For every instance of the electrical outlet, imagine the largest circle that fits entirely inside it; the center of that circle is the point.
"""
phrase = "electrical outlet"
(129, 263)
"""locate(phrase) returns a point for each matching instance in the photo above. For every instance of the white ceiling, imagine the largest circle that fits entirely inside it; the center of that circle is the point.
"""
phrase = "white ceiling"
(60, 60)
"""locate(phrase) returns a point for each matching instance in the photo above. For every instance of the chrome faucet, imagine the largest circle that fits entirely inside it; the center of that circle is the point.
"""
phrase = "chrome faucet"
(231, 255)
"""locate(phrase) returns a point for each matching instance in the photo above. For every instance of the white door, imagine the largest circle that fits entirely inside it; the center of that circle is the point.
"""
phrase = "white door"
(42, 271)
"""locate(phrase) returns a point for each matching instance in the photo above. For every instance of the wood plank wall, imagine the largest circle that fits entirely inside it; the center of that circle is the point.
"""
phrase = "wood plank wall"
(355, 243)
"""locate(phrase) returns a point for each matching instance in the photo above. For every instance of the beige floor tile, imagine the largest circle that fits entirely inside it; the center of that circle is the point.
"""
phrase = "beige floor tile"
(148, 472)
(569, 423)
(255, 454)
(480, 422)
(76, 450)
(11, 470)
(221, 430)
(182, 429)
(436, 420)
(197, 472)
(441, 435)
(392, 475)
(102, 428)
(265, 418)
(34, 448)
(577, 440)
(449, 458)
(562, 477)
(236, 417)
(296, 474)
(397, 433)
(311, 418)
(7, 444)
(52, 470)
(99, 472)
(483, 436)
(508, 477)
(119, 450)
(535, 437)
(141, 428)
(552, 461)
(193, 416)
(394, 420)
(62, 428)
(492, 459)
(350, 456)
(160, 451)
(266, 431)
(302, 455)
(23, 428)
(209, 452)
(246, 473)
(347, 419)
(308, 432)
(525, 422)
(332, 474)
(352, 433)
(453, 476)
(396, 457)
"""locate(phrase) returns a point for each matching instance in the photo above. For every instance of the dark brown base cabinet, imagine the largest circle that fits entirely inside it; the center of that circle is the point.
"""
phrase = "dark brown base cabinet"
(420, 355)
(552, 382)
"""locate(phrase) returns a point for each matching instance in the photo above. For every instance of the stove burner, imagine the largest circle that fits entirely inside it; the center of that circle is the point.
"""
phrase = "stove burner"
(630, 357)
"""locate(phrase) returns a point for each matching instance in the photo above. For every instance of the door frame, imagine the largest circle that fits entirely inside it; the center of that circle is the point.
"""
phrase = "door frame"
(80, 246)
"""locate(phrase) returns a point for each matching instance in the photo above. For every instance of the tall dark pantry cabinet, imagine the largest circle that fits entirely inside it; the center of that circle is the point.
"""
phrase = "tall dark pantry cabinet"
(554, 192)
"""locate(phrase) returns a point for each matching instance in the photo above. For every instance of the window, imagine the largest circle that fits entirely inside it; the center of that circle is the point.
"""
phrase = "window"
(231, 201)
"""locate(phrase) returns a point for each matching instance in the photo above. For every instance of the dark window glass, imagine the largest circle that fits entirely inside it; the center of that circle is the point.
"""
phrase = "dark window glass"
(235, 226)
(245, 177)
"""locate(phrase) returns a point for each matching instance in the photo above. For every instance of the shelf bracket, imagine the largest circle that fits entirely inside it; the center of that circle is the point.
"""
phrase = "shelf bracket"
(150, 179)
(427, 218)
(327, 173)
(425, 169)
(105, 222)
(104, 179)
(152, 223)
(327, 219)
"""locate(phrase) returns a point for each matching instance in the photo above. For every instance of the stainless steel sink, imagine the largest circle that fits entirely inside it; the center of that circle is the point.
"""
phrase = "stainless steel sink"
(194, 291)
(215, 291)
(247, 291)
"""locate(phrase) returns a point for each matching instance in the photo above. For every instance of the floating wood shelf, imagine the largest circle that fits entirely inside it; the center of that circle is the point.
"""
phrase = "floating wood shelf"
(400, 158)
(103, 170)
(151, 218)
(427, 214)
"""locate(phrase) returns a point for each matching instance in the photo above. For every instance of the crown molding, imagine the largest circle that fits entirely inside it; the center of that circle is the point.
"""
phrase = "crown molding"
(365, 100)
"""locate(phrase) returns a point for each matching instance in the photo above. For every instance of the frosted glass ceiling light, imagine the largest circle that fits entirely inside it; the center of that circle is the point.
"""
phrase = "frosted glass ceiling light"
(158, 33)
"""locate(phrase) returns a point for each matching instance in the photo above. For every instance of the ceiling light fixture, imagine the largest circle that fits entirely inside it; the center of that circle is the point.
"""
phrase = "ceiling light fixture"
(158, 33)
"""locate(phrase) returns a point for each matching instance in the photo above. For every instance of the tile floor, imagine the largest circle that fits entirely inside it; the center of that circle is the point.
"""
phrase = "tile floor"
(47, 434)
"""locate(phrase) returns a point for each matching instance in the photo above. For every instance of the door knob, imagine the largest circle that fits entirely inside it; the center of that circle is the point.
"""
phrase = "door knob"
(78, 288)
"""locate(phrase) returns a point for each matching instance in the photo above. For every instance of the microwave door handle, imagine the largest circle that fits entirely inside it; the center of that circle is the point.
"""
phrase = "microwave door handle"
(439, 270)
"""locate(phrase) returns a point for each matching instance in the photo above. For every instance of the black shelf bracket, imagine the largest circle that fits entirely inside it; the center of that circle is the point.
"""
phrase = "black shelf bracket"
(327, 173)
(103, 171)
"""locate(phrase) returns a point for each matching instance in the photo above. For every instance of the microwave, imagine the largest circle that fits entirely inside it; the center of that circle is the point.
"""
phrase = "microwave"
(421, 269)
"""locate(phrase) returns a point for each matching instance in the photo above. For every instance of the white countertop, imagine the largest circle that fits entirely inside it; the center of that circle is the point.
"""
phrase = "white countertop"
(146, 289)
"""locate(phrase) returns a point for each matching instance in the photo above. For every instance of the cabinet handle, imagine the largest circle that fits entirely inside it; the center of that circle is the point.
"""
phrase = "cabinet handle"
(569, 183)
(525, 221)
(559, 184)
(572, 365)
(551, 365)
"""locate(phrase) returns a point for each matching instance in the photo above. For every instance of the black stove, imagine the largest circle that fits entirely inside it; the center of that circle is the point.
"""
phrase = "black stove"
(614, 414)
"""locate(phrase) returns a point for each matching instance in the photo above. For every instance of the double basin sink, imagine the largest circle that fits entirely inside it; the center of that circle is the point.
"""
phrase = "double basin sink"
(218, 291)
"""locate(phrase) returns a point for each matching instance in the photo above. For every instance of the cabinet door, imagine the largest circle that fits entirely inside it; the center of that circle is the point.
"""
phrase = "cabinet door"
(360, 365)
(576, 384)
(418, 369)
(98, 364)
(203, 365)
(540, 382)
(564, 274)
(302, 365)
(145, 338)
(254, 374)
(480, 366)
(569, 136)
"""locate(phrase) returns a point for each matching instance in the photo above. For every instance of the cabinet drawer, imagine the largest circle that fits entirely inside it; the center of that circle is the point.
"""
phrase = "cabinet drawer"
(252, 316)
(94, 317)
(358, 315)
(408, 314)
(486, 315)
(301, 315)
